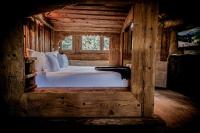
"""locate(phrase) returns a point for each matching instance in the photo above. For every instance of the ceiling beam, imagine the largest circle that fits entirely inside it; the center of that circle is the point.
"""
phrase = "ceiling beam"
(88, 21)
(98, 8)
(91, 12)
(53, 15)
(88, 29)
(85, 25)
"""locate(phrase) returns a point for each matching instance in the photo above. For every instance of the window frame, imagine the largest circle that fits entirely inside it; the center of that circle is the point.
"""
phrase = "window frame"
(73, 45)
(94, 51)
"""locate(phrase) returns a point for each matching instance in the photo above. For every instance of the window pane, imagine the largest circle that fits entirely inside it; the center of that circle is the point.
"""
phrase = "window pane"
(67, 43)
(90, 42)
(106, 42)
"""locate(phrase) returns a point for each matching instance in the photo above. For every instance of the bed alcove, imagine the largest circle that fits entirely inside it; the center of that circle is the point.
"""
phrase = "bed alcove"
(131, 106)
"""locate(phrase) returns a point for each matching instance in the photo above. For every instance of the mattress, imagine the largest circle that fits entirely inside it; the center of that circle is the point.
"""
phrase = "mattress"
(80, 76)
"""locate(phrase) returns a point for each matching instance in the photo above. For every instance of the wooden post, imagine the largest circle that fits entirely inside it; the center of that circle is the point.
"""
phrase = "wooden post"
(12, 64)
(143, 57)
(173, 48)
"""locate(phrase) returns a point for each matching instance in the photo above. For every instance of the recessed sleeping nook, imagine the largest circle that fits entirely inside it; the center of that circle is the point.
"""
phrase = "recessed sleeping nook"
(82, 47)
(86, 58)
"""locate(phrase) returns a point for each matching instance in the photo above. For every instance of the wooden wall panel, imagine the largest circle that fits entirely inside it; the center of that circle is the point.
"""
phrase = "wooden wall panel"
(126, 39)
(37, 36)
(113, 55)
(114, 52)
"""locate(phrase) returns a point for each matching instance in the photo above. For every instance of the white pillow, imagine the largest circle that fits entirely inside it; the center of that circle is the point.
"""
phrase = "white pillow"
(63, 60)
(52, 62)
(53, 52)
(40, 63)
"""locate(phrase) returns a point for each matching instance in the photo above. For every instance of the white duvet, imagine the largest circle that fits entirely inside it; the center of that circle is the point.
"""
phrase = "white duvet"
(80, 76)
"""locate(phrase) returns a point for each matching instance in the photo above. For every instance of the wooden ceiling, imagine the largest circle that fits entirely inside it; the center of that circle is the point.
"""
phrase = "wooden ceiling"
(90, 16)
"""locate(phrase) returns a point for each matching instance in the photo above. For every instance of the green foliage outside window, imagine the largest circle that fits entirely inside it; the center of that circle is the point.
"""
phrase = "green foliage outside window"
(90, 42)
(67, 43)
(106, 42)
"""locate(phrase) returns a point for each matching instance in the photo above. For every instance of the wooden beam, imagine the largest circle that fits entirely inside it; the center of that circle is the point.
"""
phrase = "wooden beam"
(65, 25)
(143, 57)
(89, 29)
(80, 104)
(98, 8)
(91, 12)
(42, 20)
(53, 15)
(173, 46)
(89, 21)
(173, 23)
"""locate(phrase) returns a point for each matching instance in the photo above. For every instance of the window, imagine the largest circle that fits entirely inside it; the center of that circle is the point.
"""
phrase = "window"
(95, 43)
(106, 42)
(90, 42)
(66, 44)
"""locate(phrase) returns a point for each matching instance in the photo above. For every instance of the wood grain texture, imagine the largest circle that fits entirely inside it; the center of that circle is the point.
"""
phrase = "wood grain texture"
(12, 65)
(80, 104)
(36, 35)
(143, 61)
(94, 18)
(114, 51)
(129, 18)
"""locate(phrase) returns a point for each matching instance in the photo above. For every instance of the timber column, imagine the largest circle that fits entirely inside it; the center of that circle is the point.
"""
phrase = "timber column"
(144, 53)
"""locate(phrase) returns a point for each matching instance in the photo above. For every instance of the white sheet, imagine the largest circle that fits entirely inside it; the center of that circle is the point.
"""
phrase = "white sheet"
(80, 76)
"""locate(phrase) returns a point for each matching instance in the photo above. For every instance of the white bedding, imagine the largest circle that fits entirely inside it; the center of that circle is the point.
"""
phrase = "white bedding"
(80, 76)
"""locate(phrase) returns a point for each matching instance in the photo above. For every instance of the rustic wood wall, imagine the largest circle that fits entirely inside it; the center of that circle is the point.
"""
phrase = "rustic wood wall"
(113, 55)
(37, 36)
(126, 38)
(115, 52)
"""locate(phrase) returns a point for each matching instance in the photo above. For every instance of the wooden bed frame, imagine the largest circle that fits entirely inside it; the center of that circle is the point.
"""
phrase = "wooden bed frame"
(136, 101)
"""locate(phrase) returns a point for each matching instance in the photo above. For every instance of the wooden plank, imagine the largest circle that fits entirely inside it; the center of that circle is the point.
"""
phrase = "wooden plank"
(77, 24)
(91, 12)
(89, 21)
(172, 23)
(97, 8)
(80, 104)
(78, 89)
(87, 29)
(53, 15)
(143, 60)
(114, 51)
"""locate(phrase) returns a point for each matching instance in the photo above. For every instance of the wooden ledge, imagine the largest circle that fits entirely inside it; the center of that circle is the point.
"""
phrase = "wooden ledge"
(78, 89)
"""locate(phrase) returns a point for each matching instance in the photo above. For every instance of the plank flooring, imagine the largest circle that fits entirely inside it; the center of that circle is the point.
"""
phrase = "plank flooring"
(178, 111)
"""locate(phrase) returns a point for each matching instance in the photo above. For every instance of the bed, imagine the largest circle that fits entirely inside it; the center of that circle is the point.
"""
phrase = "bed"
(53, 70)
(80, 76)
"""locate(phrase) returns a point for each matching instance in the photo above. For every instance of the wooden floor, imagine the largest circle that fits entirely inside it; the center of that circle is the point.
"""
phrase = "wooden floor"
(177, 110)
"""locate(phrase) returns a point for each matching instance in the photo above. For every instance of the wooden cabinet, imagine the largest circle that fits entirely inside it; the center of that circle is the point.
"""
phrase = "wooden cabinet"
(30, 74)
